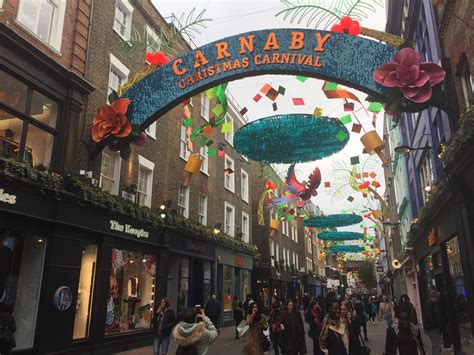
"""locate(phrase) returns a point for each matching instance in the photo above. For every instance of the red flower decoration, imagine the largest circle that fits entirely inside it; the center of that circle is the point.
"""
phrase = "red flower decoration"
(111, 120)
(414, 78)
(158, 58)
(347, 26)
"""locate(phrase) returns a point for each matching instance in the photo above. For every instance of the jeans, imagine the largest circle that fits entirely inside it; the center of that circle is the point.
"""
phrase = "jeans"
(435, 337)
(164, 343)
(364, 328)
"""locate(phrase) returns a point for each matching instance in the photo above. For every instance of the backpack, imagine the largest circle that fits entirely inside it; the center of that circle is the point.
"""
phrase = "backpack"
(186, 350)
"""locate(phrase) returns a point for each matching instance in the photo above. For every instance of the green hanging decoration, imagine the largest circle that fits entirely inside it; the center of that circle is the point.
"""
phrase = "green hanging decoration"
(291, 138)
(342, 248)
(333, 220)
(336, 236)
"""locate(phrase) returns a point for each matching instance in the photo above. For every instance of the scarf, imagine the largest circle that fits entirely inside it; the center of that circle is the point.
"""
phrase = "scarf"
(338, 326)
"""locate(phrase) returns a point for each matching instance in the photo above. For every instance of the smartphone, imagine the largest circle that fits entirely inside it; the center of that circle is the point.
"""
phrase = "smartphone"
(198, 308)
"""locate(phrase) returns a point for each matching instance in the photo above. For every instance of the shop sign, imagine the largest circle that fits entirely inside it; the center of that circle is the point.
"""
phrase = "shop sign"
(239, 261)
(433, 237)
(62, 298)
(128, 229)
(196, 248)
(7, 198)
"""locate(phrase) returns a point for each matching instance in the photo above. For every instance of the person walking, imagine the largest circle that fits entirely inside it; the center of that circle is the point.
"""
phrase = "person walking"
(373, 310)
(334, 338)
(213, 310)
(358, 307)
(291, 322)
(275, 311)
(404, 337)
(195, 332)
(257, 323)
(407, 306)
(237, 313)
(7, 328)
(353, 326)
(248, 299)
(163, 323)
(385, 312)
(433, 321)
(314, 318)
(306, 301)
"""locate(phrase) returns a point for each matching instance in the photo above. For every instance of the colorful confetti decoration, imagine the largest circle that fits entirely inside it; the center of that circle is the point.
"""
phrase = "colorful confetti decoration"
(346, 119)
(298, 101)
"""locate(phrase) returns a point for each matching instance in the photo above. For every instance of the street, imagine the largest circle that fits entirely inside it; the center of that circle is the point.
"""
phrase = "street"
(226, 344)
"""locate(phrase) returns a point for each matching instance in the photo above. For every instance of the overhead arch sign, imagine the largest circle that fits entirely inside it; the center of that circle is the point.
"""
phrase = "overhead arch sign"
(337, 57)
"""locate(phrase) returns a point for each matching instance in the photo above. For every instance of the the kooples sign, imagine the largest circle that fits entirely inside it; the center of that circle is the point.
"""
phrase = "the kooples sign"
(128, 229)
(7, 198)
(272, 49)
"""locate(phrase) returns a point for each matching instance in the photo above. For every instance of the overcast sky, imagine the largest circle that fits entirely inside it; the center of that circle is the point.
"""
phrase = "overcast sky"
(234, 17)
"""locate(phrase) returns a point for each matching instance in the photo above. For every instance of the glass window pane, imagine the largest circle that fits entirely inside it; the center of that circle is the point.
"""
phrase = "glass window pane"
(45, 20)
(39, 146)
(131, 295)
(85, 292)
(10, 135)
(12, 92)
(44, 109)
(228, 288)
(21, 268)
(183, 284)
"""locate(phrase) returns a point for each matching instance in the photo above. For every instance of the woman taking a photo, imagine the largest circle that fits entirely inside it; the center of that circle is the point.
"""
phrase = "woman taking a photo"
(334, 339)
(257, 324)
(291, 323)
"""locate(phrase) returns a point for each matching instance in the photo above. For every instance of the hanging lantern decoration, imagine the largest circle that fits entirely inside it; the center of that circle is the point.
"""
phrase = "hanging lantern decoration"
(275, 224)
(373, 144)
(192, 167)
(377, 214)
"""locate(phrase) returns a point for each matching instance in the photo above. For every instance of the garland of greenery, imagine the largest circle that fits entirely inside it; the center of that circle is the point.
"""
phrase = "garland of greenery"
(80, 189)
(333, 220)
(463, 138)
(291, 138)
(337, 236)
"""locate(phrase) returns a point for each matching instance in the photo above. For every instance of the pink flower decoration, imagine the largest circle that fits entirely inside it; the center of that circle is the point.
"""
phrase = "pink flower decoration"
(158, 58)
(415, 79)
(348, 26)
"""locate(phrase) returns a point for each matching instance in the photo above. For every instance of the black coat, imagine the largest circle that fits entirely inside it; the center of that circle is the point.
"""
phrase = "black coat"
(212, 309)
(167, 324)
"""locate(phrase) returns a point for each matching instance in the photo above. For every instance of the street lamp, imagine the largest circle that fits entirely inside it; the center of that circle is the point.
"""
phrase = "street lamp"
(405, 149)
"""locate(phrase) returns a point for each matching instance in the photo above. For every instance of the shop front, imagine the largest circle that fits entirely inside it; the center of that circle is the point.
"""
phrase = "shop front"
(233, 279)
(190, 271)
(443, 266)
(81, 278)
(310, 284)
(268, 282)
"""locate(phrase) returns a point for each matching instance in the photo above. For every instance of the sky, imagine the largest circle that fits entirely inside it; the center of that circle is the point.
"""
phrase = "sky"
(234, 17)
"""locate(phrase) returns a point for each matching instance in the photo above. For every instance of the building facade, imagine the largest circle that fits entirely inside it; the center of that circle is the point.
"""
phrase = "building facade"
(440, 194)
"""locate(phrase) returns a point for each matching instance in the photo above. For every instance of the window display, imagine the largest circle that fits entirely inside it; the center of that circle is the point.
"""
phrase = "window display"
(131, 295)
(183, 283)
(85, 292)
(245, 283)
(21, 268)
(228, 287)
(206, 293)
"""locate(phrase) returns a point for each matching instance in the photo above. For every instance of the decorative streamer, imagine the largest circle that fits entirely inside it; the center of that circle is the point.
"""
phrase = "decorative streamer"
(333, 220)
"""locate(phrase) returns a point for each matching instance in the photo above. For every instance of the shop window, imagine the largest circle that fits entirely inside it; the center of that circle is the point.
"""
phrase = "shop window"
(85, 292)
(145, 181)
(123, 19)
(228, 287)
(461, 306)
(204, 106)
(21, 269)
(44, 18)
(244, 183)
(245, 227)
(110, 171)
(183, 284)
(203, 152)
(131, 295)
(38, 118)
(207, 289)
(229, 219)
(245, 283)
(229, 136)
(202, 209)
(183, 201)
(183, 146)
(229, 176)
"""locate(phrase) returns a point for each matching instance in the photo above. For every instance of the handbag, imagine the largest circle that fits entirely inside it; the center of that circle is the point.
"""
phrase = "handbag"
(242, 328)
(365, 350)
